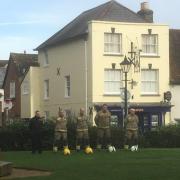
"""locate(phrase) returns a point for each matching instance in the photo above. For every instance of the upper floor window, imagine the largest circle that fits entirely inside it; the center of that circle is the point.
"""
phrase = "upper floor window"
(46, 58)
(25, 87)
(149, 81)
(67, 86)
(112, 43)
(46, 89)
(112, 81)
(12, 89)
(150, 44)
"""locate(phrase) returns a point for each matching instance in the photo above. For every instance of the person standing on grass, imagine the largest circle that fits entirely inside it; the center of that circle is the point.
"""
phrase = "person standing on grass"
(131, 126)
(82, 136)
(60, 132)
(35, 127)
(103, 120)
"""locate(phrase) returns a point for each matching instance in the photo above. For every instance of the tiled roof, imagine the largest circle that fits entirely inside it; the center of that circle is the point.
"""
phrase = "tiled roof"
(174, 53)
(110, 11)
(23, 57)
(23, 62)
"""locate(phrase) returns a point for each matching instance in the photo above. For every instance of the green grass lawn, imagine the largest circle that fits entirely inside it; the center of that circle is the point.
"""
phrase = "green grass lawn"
(147, 164)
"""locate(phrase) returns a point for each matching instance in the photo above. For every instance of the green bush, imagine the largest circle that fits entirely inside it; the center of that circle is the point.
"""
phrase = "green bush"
(17, 136)
(164, 137)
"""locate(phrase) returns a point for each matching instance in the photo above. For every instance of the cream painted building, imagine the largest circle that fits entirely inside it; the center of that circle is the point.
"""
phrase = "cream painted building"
(30, 90)
(79, 66)
(175, 113)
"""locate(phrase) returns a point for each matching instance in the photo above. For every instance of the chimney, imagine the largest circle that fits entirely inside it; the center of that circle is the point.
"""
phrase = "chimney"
(145, 12)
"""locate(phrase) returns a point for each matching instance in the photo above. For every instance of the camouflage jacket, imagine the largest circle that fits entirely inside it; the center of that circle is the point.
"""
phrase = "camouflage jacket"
(103, 119)
(82, 123)
(61, 124)
(131, 122)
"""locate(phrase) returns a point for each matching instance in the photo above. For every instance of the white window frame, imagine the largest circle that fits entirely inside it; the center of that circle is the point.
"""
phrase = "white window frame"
(150, 81)
(47, 115)
(113, 44)
(46, 89)
(67, 86)
(12, 89)
(25, 88)
(154, 120)
(143, 36)
(113, 81)
(46, 59)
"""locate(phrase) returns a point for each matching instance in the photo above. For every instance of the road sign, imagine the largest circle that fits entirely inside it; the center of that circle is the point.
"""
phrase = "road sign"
(123, 96)
(8, 104)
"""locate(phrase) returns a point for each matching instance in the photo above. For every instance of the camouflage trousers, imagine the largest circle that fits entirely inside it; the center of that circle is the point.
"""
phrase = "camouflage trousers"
(131, 137)
(103, 135)
(60, 138)
(82, 138)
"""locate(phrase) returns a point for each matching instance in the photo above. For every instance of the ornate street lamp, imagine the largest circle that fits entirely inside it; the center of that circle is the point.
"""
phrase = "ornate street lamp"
(125, 67)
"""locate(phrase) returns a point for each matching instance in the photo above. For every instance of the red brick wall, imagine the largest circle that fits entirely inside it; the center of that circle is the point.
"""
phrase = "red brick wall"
(12, 75)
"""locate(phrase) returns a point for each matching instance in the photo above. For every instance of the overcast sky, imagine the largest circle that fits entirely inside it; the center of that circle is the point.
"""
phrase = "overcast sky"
(25, 24)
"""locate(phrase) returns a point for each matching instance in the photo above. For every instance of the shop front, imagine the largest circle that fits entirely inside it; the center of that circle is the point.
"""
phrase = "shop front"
(151, 115)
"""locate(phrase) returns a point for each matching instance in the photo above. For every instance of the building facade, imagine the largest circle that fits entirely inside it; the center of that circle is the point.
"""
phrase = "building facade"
(79, 65)
(29, 93)
(18, 65)
(3, 66)
(175, 73)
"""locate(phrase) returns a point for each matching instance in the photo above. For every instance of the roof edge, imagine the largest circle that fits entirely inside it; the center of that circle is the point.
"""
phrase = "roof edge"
(127, 23)
(80, 36)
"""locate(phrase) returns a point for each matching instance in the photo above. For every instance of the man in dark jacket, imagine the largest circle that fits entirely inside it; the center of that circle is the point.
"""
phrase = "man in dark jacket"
(35, 127)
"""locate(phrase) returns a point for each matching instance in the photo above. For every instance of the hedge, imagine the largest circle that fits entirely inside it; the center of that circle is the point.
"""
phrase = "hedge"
(17, 136)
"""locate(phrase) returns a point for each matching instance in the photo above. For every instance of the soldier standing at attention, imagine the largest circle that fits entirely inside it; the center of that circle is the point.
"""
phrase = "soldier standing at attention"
(60, 134)
(102, 120)
(131, 126)
(82, 130)
(35, 127)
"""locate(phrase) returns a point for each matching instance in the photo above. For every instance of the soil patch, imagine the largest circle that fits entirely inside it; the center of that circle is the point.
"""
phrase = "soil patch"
(20, 173)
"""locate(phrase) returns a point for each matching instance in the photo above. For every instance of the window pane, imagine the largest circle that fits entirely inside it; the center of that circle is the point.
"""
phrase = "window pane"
(149, 81)
(67, 86)
(112, 81)
(26, 87)
(112, 43)
(12, 89)
(46, 58)
(46, 89)
(149, 44)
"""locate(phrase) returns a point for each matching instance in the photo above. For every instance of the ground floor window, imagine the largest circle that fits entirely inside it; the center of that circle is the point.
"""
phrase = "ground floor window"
(149, 121)
(47, 115)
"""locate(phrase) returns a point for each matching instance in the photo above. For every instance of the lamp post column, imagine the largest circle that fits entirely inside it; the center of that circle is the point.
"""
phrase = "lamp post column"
(125, 96)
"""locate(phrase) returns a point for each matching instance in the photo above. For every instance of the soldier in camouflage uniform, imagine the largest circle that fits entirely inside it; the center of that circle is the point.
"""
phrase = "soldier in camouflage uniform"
(82, 130)
(131, 126)
(61, 131)
(102, 120)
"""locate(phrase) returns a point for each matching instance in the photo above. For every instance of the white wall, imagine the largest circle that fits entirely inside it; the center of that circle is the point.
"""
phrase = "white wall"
(175, 111)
